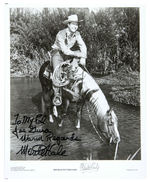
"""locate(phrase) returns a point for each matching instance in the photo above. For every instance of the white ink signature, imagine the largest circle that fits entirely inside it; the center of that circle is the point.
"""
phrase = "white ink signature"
(89, 167)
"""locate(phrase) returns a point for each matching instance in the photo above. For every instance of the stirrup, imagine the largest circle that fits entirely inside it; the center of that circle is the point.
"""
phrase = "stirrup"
(57, 100)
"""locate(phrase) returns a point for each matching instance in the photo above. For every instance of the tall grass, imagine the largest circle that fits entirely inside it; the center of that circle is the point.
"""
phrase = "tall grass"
(111, 36)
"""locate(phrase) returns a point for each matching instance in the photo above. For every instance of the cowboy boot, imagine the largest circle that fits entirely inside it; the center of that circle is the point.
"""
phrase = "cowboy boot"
(57, 100)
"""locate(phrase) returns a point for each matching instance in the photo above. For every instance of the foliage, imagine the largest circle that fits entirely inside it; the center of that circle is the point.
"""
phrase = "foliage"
(111, 36)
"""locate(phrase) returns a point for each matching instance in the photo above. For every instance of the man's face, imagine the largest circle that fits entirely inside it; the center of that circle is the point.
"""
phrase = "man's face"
(73, 26)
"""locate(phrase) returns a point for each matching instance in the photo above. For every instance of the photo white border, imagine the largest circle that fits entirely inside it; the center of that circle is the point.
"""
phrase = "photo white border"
(115, 169)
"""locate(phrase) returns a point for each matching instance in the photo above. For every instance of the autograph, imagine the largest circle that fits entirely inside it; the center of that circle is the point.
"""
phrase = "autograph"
(30, 130)
(42, 150)
(89, 166)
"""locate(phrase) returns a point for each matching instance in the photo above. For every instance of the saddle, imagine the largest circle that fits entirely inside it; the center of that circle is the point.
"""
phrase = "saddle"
(65, 77)
(60, 77)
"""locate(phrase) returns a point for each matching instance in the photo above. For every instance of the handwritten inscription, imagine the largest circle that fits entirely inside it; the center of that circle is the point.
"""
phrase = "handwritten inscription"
(31, 132)
(42, 150)
(38, 119)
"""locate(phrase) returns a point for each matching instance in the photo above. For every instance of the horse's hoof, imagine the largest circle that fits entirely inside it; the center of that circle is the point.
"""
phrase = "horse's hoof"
(60, 125)
(78, 127)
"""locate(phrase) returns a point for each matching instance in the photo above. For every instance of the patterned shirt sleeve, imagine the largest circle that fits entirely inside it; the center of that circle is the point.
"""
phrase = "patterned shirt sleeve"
(81, 45)
(60, 38)
(60, 41)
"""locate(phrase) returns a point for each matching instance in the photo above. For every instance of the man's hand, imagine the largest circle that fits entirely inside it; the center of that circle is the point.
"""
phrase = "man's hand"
(78, 54)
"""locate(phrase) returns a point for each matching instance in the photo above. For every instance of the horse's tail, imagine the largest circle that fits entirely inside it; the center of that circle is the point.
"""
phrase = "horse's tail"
(45, 83)
(42, 69)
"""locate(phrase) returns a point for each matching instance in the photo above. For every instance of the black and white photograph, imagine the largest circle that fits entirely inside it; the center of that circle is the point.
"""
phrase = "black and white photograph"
(75, 98)
(75, 83)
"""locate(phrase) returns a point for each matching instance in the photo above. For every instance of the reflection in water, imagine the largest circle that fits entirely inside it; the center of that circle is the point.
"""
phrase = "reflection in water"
(25, 100)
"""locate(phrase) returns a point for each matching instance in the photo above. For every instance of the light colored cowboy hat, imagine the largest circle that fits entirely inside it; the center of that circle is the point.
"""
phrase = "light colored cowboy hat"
(72, 18)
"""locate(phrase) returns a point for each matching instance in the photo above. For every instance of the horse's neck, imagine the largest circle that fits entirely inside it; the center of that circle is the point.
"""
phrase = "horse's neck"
(99, 103)
(88, 83)
(98, 99)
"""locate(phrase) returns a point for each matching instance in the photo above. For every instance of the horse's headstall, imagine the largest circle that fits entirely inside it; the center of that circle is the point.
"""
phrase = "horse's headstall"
(109, 115)
(109, 122)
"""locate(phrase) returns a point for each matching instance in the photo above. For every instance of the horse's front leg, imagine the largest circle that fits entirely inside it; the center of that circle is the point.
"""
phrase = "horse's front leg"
(65, 109)
(47, 107)
(50, 114)
(79, 115)
(51, 120)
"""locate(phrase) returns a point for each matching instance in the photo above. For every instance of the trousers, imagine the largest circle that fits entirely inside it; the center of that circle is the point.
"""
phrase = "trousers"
(56, 59)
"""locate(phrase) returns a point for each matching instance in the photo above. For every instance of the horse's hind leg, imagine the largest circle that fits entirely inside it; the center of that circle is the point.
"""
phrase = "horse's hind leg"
(50, 113)
(61, 122)
(43, 106)
(78, 118)
(65, 109)
(79, 114)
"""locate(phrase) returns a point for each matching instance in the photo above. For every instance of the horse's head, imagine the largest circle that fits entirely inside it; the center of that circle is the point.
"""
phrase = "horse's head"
(109, 127)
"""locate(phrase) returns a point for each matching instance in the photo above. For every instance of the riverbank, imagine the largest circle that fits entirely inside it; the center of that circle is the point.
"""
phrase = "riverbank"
(125, 86)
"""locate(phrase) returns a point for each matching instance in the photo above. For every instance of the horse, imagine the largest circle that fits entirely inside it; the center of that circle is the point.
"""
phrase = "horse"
(84, 89)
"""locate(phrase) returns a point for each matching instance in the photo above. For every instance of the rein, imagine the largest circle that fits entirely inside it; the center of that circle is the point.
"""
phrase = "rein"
(117, 144)
(116, 151)
(93, 124)
(87, 96)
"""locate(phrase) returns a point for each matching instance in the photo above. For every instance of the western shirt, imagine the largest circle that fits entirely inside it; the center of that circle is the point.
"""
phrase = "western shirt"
(65, 41)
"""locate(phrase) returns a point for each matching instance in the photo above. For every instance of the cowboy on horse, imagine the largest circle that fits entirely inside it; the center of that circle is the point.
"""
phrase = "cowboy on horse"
(78, 85)
(61, 51)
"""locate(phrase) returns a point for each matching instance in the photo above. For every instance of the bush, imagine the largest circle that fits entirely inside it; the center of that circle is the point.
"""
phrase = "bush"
(111, 36)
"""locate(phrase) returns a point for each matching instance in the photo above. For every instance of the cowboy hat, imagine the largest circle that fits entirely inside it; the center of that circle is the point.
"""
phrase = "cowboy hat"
(72, 18)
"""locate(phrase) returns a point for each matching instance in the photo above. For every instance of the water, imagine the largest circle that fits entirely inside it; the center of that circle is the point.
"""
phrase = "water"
(85, 145)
